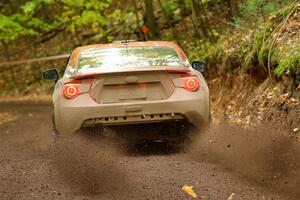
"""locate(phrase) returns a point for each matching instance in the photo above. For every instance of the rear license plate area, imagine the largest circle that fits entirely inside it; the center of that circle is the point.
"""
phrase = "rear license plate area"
(134, 91)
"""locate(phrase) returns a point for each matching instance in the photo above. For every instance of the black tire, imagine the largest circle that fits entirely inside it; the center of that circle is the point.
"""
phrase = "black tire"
(54, 129)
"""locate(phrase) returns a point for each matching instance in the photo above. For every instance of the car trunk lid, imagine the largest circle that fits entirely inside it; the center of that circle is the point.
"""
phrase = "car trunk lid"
(131, 86)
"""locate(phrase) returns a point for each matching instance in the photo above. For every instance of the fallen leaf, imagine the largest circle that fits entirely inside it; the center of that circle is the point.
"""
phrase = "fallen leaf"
(189, 190)
(6, 117)
(298, 89)
(276, 90)
(231, 197)
(291, 100)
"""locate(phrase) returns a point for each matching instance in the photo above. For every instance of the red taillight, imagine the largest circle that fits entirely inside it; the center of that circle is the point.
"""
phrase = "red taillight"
(187, 75)
(71, 91)
(191, 84)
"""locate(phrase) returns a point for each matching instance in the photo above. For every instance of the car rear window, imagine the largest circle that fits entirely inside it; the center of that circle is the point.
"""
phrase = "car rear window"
(110, 59)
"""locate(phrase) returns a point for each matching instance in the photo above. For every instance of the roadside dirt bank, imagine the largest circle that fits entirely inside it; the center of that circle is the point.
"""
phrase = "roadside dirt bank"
(249, 102)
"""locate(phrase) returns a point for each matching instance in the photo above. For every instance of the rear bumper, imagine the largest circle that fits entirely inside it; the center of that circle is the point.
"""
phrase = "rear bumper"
(70, 115)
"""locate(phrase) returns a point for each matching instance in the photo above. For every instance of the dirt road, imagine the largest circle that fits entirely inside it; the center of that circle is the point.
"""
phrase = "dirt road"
(35, 166)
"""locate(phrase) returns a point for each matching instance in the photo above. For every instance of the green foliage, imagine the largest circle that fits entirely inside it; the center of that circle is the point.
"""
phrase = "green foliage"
(171, 5)
(262, 46)
(30, 7)
(272, 49)
(30, 20)
(250, 8)
(10, 29)
(206, 50)
(290, 61)
(257, 44)
(253, 12)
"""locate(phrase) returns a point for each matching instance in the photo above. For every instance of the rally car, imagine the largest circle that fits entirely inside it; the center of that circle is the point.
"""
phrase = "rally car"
(126, 83)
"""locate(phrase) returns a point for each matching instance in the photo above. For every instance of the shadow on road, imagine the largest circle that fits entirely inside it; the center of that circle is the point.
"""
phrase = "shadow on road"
(152, 148)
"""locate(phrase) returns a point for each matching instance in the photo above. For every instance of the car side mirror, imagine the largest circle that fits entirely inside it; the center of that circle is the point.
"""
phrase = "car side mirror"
(51, 75)
(199, 66)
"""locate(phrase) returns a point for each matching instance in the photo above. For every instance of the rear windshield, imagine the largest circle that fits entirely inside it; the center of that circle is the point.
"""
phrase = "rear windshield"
(110, 59)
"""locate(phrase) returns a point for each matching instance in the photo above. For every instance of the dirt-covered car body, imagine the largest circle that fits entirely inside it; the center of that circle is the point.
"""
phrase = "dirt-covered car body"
(129, 83)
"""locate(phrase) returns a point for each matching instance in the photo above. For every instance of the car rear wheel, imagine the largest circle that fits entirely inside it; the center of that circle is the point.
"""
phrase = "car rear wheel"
(54, 129)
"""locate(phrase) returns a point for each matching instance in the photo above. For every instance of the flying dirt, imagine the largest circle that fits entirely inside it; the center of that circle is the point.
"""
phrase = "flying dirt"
(222, 162)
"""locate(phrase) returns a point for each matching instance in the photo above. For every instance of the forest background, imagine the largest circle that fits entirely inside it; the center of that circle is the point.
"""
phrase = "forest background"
(259, 38)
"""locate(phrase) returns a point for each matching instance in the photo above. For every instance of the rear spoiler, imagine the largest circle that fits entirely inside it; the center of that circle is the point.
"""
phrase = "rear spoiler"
(76, 76)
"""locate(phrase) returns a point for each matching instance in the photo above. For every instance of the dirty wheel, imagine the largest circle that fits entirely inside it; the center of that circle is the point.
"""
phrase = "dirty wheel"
(54, 129)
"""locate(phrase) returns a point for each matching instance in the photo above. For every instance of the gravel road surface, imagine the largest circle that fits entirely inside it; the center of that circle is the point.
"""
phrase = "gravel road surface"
(34, 165)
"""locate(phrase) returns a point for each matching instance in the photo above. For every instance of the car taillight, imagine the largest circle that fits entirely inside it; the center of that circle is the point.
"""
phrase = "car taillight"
(187, 75)
(71, 91)
(191, 84)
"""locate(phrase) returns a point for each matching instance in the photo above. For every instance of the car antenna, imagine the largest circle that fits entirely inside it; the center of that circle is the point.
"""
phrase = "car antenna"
(126, 45)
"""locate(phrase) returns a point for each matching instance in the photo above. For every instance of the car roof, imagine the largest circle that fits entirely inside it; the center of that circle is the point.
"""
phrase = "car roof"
(130, 43)
(75, 54)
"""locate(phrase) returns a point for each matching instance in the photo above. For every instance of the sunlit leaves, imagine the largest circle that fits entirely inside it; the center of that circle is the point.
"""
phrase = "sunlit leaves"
(32, 17)
(11, 30)
(30, 6)
(23, 23)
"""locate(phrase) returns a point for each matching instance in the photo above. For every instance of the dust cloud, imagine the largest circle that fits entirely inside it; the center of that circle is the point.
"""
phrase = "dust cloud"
(262, 155)
(87, 163)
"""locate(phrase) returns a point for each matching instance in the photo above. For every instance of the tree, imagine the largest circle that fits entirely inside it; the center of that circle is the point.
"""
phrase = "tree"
(184, 11)
(233, 9)
(150, 20)
(199, 19)
(168, 21)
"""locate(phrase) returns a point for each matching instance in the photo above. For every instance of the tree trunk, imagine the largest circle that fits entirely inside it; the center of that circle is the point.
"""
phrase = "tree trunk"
(138, 25)
(150, 20)
(184, 11)
(233, 9)
(199, 20)
(136, 14)
(170, 25)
